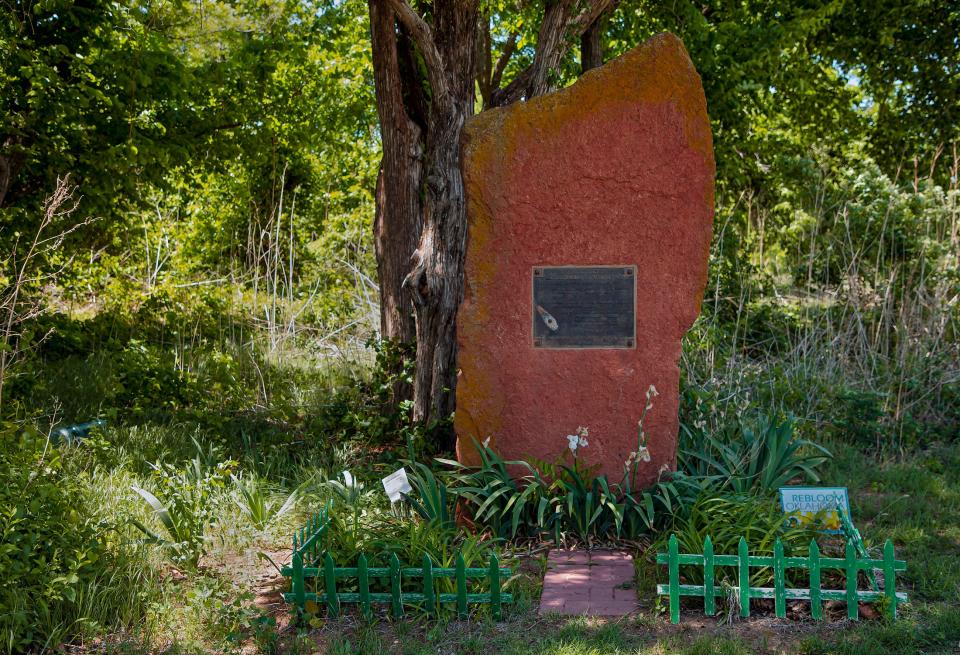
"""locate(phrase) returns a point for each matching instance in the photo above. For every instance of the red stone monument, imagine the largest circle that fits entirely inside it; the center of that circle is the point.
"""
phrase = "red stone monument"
(590, 214)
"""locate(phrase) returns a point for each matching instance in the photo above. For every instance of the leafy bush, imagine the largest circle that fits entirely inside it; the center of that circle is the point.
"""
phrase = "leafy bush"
(763, 454)
(559, 500)
(184, 506)
(860, 417)
(53, 557)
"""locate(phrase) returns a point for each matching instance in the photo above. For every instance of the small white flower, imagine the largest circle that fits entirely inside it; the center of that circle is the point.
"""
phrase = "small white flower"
(652, 392)
(583, 432)
(649, 406)
(644, 453)
(583, 442)
(573, 441)
(631, 458)
(486, 442)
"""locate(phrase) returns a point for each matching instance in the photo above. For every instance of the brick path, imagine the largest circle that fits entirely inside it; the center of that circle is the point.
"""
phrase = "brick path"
(582, 582)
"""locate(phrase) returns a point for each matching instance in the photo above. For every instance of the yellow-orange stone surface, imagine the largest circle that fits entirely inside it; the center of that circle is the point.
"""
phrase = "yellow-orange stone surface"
(616, 169)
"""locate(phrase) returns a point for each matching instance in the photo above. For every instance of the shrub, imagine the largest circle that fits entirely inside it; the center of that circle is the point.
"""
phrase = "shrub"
(860, 417)
(184, 506)
(558, 500)
(52, 555)
(762, 454)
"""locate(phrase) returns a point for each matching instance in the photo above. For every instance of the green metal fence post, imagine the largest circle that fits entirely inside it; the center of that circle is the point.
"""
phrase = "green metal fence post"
(333, 601)
(779, 581)
(853, 607)
(461, 586)
(428, 598)
(495, 586)
(889, 579)
(299, 593)
(364, 582)
(816, 608)
(709, 598)
(674, 573)
(396, 599)
(743, 562)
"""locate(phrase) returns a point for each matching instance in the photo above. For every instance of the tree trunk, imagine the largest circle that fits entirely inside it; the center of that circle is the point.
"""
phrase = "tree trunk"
(425, 76)
(436, 277)
(398, 206)
(591, 46)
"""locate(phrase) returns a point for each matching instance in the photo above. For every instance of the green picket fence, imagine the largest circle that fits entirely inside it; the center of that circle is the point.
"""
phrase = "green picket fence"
(815, 594)
(312, 566)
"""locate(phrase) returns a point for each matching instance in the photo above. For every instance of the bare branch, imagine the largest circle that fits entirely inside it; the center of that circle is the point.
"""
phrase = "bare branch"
(17, 307)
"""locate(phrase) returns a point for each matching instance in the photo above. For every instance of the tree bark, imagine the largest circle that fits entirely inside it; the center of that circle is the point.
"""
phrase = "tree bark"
(398, 207)
(436, 277)
(591, 45)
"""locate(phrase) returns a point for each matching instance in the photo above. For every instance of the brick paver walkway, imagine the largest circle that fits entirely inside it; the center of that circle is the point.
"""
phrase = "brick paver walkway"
(582, 582)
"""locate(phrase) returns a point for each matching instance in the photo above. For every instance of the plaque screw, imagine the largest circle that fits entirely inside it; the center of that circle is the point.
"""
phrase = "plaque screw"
(549, 320)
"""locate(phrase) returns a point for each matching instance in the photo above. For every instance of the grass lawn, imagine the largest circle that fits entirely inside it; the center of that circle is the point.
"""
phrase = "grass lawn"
(915, 500)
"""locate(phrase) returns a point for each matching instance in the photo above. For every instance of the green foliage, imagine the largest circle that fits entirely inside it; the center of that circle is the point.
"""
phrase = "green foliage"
(725, 518)
(499, 500)
(232, 624)
(433, 504)
(229, 152)
(260, 502)
(761, 455)
(859, 417)
(648, 510)
(54, 558)
(184, 506)
(560, 501)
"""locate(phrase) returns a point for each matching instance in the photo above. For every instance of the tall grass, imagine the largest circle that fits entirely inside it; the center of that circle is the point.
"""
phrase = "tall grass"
(862, 337)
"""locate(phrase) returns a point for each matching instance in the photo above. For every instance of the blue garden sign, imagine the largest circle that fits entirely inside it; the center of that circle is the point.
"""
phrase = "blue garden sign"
(815, 506)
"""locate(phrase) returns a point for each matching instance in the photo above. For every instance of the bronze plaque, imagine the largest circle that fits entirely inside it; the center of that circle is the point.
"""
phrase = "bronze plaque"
(584, 306)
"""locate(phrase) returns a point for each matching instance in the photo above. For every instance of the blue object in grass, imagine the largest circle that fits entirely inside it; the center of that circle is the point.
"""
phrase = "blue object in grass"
(73, 433)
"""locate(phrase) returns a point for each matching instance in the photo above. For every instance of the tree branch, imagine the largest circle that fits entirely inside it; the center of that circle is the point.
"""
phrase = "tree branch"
(560, 25)
(422, 35)
(591, 43)
(481, 59)
(504, 59)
